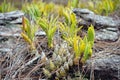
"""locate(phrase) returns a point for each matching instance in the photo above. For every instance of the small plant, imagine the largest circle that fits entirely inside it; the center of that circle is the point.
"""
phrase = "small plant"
(69, 27)
(91, 35)
(82, 48)
(39, 9)
(48, 8)
(6, 7)
(107, 6)
(28, 32)
(73, 3)
(60, 62)
(49, 26)
(103, 7)
(33, 11)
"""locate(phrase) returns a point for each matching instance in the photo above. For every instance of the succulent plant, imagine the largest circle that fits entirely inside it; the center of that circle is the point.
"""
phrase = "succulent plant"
(59, 63)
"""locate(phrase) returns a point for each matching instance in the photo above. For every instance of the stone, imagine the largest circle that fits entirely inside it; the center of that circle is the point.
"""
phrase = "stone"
(1, 16)
(11, 17)
(98, 21)
(78, 11)
(106, 67)
(107, 29)
(107, 34)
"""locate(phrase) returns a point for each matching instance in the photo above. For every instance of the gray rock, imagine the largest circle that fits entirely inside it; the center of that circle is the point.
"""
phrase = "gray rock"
(98, 21)
(1, 16)
(105, 67)
(17, 21)
(106, 27)
(108, 34)
(40, 33)
(11, 17)
(78, 11)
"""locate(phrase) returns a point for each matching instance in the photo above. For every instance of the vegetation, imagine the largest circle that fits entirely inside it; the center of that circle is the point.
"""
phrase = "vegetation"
(104, 7)
(33, 11)
(57, 58)
(49, 26)
(6, 7)
(28, 32)
(82, 48)
(61, 59)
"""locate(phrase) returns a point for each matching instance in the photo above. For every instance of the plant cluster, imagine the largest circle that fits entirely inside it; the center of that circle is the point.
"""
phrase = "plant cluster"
(72, 50)
(58, 20)
(6, 7)
(62, 58)
(33, 11)
(104, 7)
(28, 32)
(38, 9)
(60, 62)
(50, 27)
(81, 47)
(73, 3)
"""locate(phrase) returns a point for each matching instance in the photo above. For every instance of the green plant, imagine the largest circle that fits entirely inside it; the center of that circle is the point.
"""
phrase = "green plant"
(60, 62)
(73, 3)
(49, 26)
(82, 47)
(69, 27)
(38, 9)
(6, 7)
(48, 8)
(33, 11)
(104, 7)
(28, 32)
(91, 35)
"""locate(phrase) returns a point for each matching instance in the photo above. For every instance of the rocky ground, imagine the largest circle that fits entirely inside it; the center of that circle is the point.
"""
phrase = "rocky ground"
(104, 64)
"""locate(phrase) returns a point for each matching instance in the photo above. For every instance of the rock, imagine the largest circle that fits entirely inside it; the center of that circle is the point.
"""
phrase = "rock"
(107, 34)
(78, 11)
(17, 21)
(40, 33)
(1, 16)
(2, 22)
(105, 67)
(98, 21)
(107, 29)
(11, 17)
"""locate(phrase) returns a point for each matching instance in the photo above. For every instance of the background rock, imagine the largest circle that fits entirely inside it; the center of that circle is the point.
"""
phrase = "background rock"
(105, 62)
(97, 20)
(106, 27)
(11, 17)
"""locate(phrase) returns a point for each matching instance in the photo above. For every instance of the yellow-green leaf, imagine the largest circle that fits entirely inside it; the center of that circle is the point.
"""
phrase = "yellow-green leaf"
(26, 38)
(87, 52)
(91, 34)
